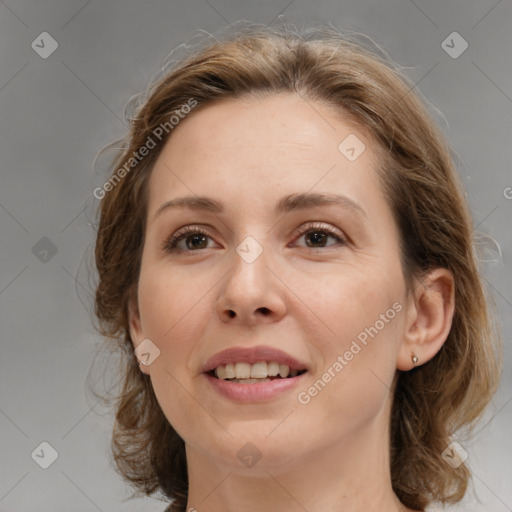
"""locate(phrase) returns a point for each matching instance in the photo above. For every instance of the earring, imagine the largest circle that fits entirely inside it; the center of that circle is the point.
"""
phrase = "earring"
(139, 360)
(414, 358)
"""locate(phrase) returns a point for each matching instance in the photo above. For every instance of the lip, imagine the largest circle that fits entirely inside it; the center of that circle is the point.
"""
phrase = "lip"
(253, 355)
(257, 392)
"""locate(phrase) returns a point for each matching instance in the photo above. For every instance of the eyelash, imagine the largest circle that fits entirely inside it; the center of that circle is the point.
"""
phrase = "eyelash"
(170, 244)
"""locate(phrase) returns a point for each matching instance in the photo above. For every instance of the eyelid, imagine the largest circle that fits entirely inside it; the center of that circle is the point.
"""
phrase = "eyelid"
(312, 225)
(181, 233)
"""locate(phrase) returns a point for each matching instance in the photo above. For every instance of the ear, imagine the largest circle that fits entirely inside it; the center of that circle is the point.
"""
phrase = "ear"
(135, 324)
(429, 318)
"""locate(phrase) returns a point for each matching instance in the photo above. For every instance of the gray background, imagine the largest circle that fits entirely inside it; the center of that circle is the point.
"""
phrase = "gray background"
(58, 112)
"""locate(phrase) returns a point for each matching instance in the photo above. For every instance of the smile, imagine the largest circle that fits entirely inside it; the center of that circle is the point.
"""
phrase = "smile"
(247, 373)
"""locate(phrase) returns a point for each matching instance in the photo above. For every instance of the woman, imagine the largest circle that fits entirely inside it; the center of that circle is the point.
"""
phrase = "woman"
(285, 257)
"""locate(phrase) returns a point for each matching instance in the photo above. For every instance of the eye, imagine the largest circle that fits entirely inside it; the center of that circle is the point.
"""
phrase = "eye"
(316, 236)
(194, 238)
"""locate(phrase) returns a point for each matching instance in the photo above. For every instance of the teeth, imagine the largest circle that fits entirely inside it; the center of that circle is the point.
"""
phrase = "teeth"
(284, 370)
(272, 369)
(242, 370)
(229, 371)
(257, 372)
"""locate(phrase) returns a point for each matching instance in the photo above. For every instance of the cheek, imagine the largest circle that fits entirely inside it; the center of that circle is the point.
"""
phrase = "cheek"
(172, 306)
(346, 299)
(357, 353)
(173, 310)
(358, 316)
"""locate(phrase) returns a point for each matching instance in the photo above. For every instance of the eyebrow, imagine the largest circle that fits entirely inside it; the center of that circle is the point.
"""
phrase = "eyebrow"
(292, 202)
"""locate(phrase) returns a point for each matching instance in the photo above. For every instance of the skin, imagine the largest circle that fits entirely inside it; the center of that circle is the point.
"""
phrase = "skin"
(332, 453)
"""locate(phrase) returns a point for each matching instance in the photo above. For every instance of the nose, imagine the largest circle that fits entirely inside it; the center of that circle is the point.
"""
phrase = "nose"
(252, 293)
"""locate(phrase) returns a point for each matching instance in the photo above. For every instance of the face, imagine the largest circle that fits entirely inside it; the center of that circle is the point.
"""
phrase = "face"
(325, 283)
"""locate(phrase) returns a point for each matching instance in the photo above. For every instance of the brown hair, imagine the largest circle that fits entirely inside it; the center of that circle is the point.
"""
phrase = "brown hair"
(433, 401)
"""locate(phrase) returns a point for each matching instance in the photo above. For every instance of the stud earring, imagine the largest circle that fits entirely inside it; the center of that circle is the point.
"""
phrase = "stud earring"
(414, 358)
(141, 362)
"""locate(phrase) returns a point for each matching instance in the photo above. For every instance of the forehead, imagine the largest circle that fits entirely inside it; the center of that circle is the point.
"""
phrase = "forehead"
(260, 147)
(283, 120)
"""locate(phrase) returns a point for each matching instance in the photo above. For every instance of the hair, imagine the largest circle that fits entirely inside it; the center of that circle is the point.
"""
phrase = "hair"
(433, 401)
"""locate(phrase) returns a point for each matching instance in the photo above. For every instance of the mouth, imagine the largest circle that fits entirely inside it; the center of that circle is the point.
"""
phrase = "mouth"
(254, 374)
(246, 373)
(241, 385)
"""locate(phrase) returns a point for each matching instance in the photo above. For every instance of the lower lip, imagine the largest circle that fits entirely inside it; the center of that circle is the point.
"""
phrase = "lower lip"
(255, 392)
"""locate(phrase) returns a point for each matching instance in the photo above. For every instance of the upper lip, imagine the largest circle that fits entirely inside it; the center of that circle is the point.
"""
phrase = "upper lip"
(252, 355)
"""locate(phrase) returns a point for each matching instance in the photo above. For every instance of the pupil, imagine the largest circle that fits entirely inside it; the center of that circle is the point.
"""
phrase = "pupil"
(196, 237)
(317, 237)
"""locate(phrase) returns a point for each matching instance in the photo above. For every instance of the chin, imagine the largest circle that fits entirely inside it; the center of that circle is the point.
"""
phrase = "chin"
(255, 452)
